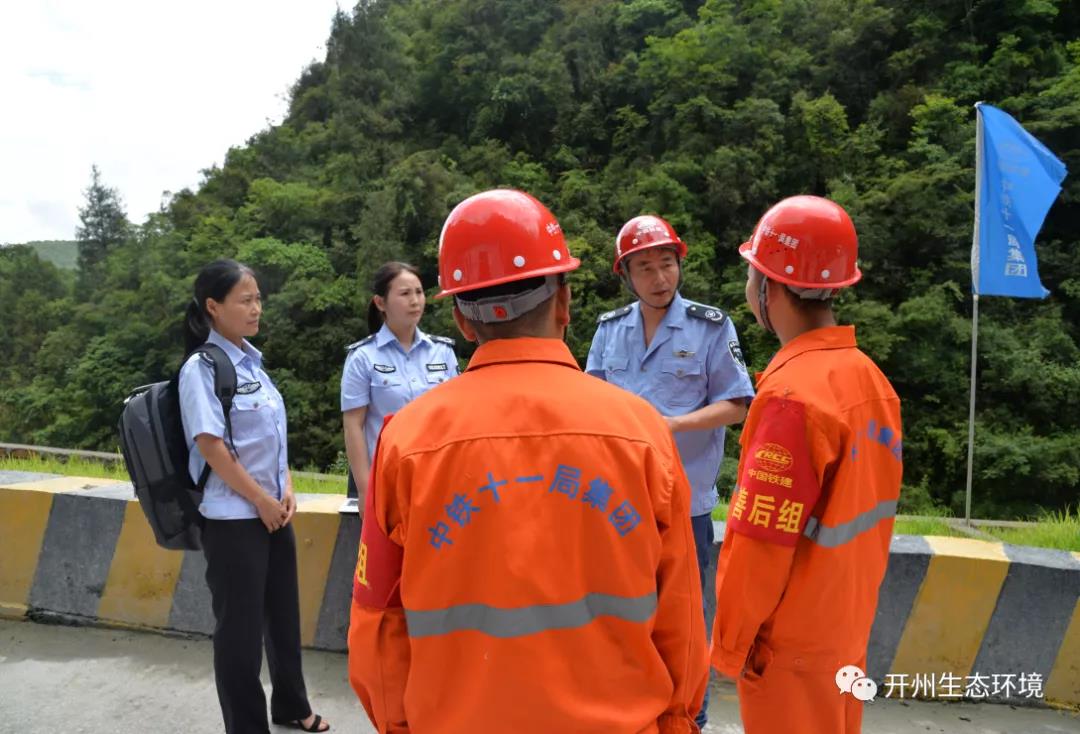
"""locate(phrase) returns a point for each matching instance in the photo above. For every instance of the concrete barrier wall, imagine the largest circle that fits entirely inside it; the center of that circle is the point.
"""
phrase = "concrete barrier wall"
(79, 549)
(963, 607)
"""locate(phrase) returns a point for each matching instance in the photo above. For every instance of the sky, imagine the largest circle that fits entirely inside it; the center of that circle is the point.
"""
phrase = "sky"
(152, 92)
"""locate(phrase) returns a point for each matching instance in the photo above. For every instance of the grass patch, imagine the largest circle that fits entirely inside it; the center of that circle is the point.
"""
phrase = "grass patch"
(931, 525)
(313, 485)
(926, 526)
(72, 467)
(76, 467)
(1060, 530)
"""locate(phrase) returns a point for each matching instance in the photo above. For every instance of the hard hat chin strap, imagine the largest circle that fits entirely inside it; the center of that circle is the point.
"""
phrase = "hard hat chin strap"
(499, 309)
(763, 307)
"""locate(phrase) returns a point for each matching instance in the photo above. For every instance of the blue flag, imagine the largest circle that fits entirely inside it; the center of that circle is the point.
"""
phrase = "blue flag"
(1016, 181)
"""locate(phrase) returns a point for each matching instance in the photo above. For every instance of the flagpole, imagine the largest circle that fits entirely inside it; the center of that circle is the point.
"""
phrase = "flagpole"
(971, 409)
(974, 310)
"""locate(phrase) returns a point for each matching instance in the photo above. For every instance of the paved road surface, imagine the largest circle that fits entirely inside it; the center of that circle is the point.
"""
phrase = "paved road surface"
(68, 680)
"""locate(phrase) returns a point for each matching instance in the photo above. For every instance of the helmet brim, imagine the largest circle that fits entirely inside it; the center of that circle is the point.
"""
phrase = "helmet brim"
(677, 245)
(746, 251)
(572, 264)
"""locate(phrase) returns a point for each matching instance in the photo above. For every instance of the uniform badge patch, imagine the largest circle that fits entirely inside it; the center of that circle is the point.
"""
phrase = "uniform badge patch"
(436, 367)
(248, 388)
(385, 368)
(736, 353)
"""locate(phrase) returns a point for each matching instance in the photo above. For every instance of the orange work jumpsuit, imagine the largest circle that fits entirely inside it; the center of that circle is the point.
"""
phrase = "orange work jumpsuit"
(526, 561)
(807, 539)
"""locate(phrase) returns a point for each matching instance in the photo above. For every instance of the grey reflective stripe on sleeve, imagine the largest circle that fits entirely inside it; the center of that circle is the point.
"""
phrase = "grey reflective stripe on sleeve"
(831, 537)
(522, 621)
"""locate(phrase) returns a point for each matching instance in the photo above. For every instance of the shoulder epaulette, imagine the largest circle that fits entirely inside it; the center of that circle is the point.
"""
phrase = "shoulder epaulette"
(706, 313)
(443, 340)
(616, 314)
(360, 343)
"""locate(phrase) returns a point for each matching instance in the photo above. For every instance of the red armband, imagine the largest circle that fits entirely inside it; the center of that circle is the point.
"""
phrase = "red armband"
(377, 581)
(777, 486)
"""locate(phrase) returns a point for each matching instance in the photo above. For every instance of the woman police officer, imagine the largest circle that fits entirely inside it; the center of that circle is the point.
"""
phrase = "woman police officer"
(396, 363)
(247, 504)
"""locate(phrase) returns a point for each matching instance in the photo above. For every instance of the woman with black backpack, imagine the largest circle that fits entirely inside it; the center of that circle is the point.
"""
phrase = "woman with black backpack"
(248, 504)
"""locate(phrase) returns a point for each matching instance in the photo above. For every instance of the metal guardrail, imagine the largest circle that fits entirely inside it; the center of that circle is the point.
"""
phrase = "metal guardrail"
(20, 450)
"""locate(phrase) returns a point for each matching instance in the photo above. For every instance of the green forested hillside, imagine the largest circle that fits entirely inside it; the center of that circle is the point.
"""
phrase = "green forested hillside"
(705, 113)
(61, 253)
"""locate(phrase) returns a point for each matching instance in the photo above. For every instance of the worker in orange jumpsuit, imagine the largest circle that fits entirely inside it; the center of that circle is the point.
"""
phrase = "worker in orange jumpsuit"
(526, 562)
(809, 523)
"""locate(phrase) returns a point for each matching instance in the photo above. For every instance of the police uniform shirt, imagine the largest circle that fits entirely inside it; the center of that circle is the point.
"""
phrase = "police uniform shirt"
(694, 360)
(381, 375)
(258, 427)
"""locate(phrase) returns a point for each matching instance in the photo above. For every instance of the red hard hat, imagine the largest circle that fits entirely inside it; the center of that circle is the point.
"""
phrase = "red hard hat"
(807, 242)
(500, 236)
(643, 232)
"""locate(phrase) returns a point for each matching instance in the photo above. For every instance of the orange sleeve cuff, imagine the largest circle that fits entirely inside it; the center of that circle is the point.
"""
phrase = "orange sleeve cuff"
(728, 662)
(670, 724)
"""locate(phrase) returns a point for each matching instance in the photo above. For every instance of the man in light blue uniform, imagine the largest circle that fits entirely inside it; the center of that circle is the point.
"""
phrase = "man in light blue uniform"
(258, 421)
(681, 356)
(381, 376)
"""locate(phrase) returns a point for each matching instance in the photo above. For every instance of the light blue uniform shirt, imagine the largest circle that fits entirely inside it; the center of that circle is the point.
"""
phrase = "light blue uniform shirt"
(258, 428)
(380, 374)
(694, 360)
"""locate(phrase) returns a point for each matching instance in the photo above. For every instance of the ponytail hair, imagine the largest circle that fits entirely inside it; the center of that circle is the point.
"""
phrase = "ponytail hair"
(380, 286)
(213, 281)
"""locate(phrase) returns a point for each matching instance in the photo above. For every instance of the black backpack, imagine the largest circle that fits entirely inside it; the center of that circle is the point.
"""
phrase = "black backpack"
(155, 451)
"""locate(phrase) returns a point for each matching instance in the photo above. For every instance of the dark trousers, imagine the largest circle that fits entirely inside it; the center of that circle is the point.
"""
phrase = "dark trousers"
(252, 578)
(703, 542)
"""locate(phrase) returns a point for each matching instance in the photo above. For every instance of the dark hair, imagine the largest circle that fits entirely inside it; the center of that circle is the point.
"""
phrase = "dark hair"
(213, 281)
(380, 286)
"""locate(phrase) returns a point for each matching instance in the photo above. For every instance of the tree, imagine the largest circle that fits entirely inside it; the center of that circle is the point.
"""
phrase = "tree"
(104, 223)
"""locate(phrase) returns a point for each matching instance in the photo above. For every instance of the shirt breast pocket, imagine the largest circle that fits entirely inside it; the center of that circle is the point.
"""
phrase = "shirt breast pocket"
(389, 392)
(252, 416)
(615, 368)
(386, 381)
(682, 382)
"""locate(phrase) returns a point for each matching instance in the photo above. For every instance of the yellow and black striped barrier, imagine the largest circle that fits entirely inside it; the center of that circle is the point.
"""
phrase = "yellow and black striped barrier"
(970, 609)
(77, 548)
